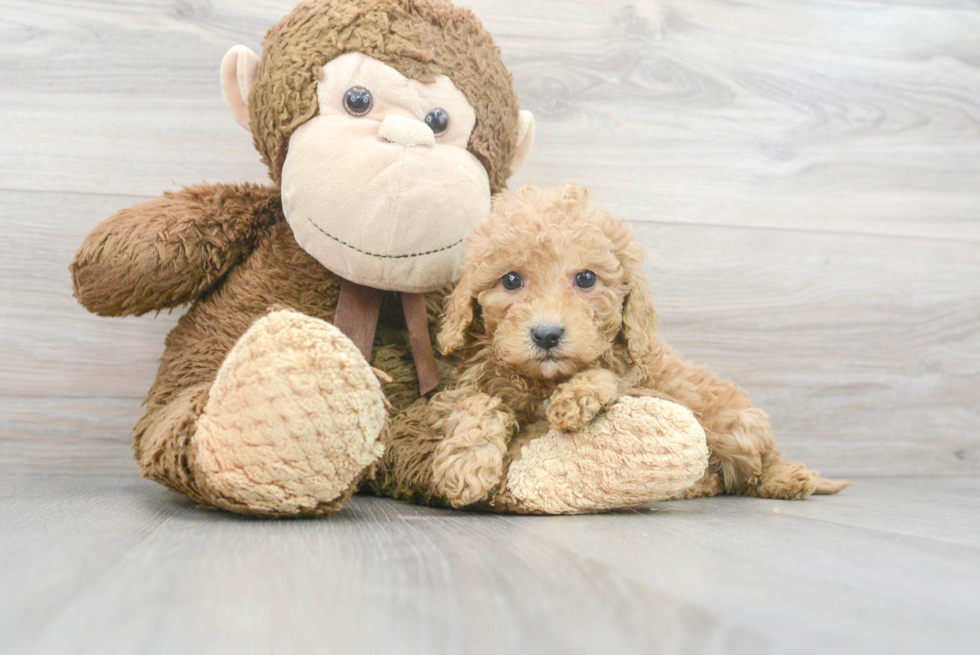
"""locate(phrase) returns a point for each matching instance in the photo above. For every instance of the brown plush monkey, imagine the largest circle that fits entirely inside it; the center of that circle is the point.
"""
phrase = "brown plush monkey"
(386, 126)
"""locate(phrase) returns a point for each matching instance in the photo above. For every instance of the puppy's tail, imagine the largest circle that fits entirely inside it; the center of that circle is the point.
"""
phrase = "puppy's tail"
(827, 487)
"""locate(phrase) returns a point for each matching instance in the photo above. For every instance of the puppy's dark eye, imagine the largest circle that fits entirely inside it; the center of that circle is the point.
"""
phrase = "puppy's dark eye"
(358, 101)
(585, 280)
(512, 281)
(437, 120)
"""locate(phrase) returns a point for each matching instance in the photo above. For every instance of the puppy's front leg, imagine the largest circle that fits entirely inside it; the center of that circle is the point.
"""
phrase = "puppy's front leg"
(576, 402)
(469, 461)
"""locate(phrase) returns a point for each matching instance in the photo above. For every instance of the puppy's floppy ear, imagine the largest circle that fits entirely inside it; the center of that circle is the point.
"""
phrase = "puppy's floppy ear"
(458, 316)
(639, 315)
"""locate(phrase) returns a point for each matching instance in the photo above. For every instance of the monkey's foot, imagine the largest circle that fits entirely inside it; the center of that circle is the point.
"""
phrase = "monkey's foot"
(640, 451)
(292, 420)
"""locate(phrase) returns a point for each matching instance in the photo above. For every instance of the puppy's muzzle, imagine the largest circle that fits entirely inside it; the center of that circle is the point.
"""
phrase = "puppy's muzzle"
(547, 337)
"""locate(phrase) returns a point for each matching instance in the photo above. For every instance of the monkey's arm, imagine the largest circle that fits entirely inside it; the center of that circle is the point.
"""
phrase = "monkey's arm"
(169, 251)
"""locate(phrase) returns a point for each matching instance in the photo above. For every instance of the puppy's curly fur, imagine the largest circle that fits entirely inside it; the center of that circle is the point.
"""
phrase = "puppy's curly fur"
(575, 273)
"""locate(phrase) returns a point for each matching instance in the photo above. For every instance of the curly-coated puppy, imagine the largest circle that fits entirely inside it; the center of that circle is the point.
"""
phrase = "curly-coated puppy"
(554, 320)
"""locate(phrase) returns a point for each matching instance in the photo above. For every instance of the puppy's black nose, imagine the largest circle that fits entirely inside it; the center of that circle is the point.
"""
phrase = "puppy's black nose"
(547, 336)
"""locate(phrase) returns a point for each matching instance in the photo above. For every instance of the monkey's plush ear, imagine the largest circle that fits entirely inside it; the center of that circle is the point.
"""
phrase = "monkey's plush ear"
(239, 69)
(525, 139)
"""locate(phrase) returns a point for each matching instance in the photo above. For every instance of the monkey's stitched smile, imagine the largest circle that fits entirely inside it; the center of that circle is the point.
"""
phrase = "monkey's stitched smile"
(379, 255)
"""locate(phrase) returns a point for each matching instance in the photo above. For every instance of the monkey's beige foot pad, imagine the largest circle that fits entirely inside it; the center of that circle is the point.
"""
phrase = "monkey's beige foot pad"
(640, 451)
(292, 419)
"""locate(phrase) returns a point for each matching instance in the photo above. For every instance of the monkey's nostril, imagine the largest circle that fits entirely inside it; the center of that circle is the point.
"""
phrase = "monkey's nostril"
(547, 336)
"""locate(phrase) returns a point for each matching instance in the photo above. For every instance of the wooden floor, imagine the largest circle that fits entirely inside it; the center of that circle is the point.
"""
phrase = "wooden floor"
(100, 564)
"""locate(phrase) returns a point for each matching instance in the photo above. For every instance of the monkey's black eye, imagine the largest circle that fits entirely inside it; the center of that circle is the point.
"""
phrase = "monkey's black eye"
(358, 101)
(585, 280)
(512, 281)
(438, 120)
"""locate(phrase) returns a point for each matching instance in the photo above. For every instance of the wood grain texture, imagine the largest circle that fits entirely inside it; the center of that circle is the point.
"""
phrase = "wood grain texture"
(93, 564)
(805, 176)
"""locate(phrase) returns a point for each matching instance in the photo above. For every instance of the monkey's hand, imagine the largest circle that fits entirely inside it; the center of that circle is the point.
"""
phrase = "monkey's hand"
(469, 462)
(576, 402)
(167, 252)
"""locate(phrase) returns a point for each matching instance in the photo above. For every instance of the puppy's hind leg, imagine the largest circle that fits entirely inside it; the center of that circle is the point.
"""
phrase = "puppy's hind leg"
(793, 481)
(743, 449)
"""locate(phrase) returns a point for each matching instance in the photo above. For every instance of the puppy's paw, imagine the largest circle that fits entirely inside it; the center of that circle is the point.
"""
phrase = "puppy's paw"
(572, 406)
(466, 469)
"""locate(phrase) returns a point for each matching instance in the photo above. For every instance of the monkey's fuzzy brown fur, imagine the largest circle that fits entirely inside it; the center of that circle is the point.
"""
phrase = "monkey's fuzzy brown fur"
(421, 39)
(609, 349)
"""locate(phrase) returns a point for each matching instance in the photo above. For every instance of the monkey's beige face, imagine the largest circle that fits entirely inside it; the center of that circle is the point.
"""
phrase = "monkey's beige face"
(551, 300)
(379, 186)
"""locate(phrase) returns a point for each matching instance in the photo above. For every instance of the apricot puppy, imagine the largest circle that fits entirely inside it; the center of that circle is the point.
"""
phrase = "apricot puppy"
(554, 320)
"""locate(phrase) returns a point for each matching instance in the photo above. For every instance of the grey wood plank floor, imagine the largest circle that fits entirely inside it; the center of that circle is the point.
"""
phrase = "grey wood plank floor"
(98, 564)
